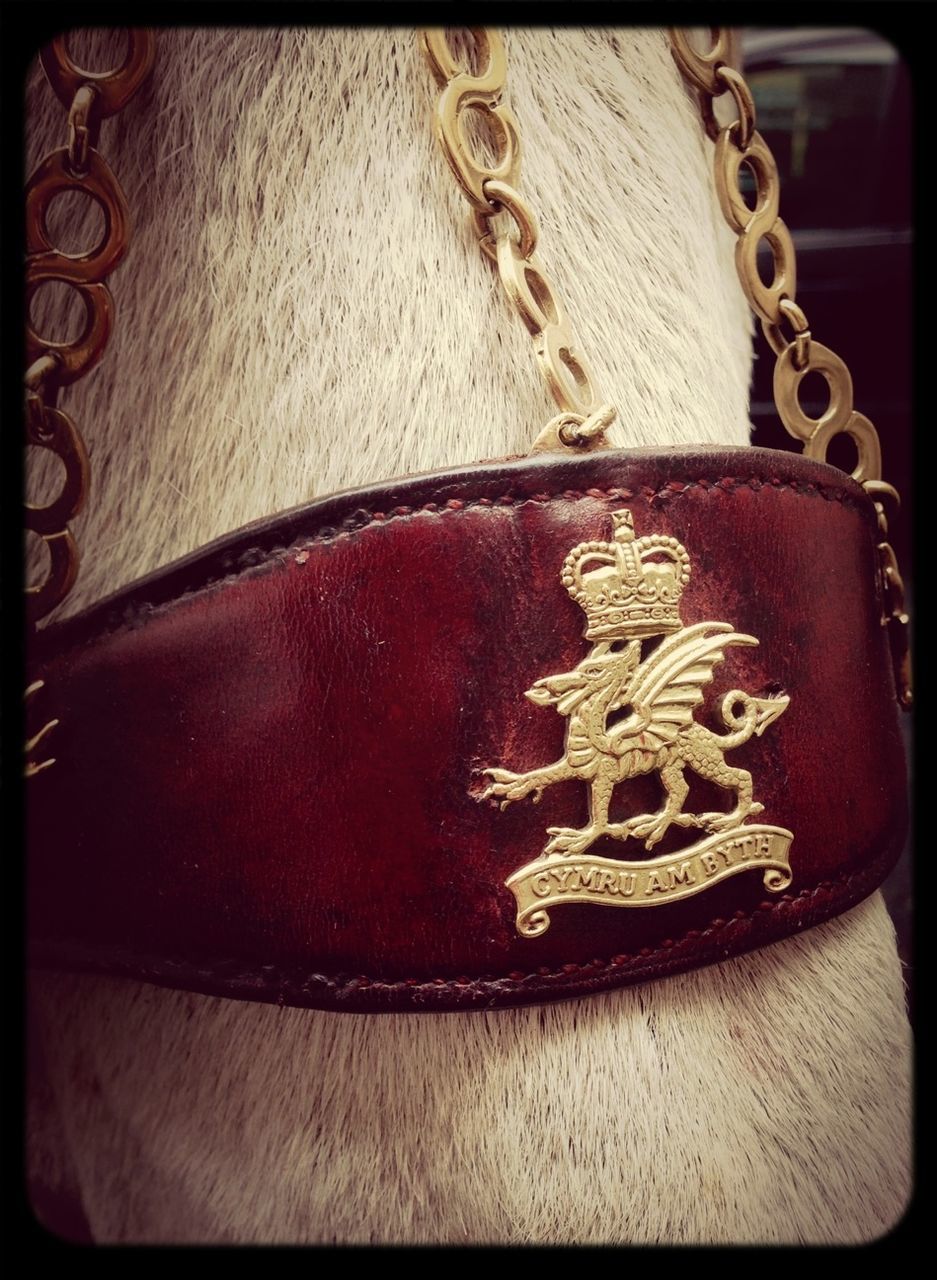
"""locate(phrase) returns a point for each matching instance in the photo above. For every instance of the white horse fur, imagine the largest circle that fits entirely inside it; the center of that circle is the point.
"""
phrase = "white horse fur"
(304, 308)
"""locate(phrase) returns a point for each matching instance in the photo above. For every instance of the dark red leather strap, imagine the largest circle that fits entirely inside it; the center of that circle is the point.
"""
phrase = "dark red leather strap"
(266, 764)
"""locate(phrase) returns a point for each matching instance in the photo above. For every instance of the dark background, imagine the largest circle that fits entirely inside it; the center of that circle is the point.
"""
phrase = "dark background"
(834, 107)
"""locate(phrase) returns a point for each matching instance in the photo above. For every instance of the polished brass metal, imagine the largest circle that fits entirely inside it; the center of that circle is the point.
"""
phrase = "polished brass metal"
(575, 430)
(60, 436)
(738, 143)
(493, 191)
(652, 882)
(801, 329)
(881, 489)
(628, 596)
(89, 97)
(80, 356)
(113, 89)
(744, 126)
(462, 92)
(53, 177)
(701, 68)
(83, 129)
(503, 197)
(34, 766)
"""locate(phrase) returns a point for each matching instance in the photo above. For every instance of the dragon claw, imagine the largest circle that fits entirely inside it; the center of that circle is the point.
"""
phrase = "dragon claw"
(507, 786)
(568, 841)
(503, 786)
(649, 827)
(656, 833)
(716, 822)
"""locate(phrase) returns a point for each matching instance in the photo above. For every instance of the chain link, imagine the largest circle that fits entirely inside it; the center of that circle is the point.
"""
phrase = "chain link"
(84, 125)
(738, 143)
(89, 98)
(801, 329)
(492, 191)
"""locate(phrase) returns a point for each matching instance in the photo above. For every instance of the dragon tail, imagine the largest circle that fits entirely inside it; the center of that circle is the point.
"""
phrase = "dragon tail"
(755, 716)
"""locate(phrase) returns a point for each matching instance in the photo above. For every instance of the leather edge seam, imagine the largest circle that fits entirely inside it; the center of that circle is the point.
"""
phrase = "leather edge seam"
(632, 966)
(247, 561)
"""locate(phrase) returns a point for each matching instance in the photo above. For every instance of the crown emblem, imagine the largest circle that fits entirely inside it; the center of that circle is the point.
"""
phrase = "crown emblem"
(628, 588)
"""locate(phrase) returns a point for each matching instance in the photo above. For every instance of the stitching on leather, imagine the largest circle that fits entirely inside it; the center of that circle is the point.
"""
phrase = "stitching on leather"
(625, 962)
(357, 522)
(361, 981)
(838, 886)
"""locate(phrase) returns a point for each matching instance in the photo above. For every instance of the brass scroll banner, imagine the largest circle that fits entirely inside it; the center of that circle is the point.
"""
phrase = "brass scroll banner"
(548, 882)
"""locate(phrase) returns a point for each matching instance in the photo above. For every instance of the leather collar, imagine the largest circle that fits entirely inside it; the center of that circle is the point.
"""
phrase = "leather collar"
(268, 779)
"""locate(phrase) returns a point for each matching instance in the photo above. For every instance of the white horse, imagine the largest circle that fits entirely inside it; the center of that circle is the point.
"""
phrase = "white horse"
(273, 344)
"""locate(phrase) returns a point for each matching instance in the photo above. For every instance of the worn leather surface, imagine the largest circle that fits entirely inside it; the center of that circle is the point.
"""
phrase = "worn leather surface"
(266, 764)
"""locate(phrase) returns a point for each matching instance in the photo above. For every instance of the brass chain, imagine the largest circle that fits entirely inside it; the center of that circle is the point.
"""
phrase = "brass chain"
(92, 96)
(797, 353)
(89, 97)
(492, 191)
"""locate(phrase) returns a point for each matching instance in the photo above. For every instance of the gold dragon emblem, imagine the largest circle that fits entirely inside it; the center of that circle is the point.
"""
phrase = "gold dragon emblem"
(628, 717)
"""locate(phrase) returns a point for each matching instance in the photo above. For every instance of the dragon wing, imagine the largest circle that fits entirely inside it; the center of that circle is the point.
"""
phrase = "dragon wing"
(668, 685)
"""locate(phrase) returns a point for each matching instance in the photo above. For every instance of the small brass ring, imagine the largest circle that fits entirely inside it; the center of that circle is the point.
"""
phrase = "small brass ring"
(576, 430)
(701, 68)
(765, 299)
(63, 570)
(80, 118)
(795, 314)
(80, 356)
(711, 125)
(510, 200)
(744, 127)
(65, 442)
(802, 344)
(787, 380)
(438, 53)
(801, 340)
(38, 430)
(864, 437)
(881, 489)
(44, 367)
(50, 179)
(727, 163)
(115, 88)
(568, 429)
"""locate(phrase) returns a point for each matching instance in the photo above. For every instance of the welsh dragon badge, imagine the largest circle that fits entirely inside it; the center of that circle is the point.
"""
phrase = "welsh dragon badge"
(628, 717)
